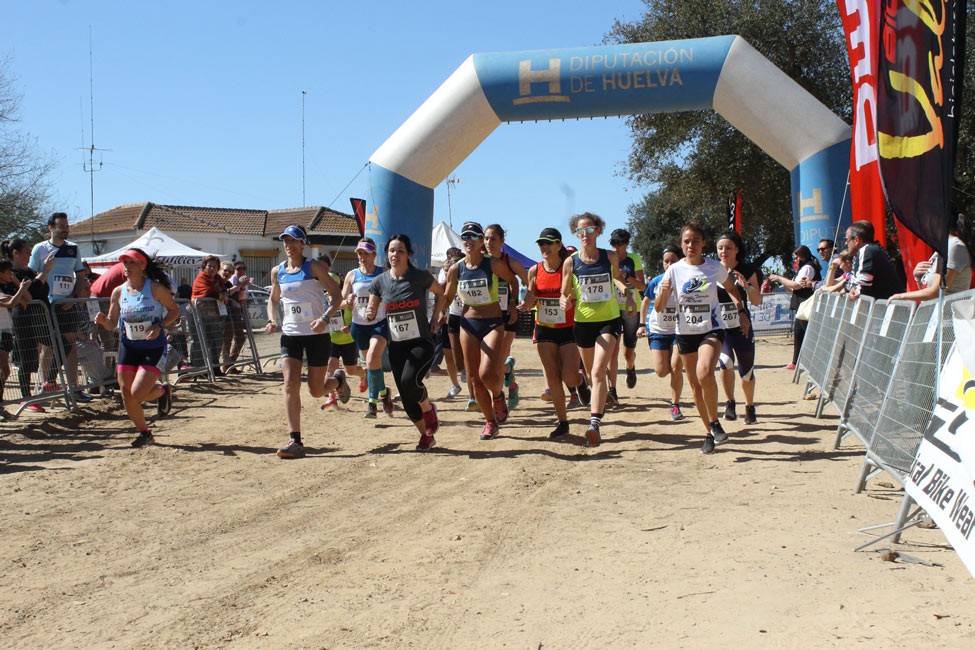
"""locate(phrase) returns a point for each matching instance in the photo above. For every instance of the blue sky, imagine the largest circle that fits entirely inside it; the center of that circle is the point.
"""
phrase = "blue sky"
(200, 103)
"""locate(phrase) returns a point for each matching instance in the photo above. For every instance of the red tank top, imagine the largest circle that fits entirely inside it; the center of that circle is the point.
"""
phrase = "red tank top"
(548, 286)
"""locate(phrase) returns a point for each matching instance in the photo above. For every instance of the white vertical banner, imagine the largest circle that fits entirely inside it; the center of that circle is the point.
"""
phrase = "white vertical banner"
(942, 478)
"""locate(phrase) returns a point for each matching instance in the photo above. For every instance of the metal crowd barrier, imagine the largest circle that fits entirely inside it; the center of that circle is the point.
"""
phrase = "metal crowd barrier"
(36, 375)
(818, 346)
(885, 332)
(846, 352)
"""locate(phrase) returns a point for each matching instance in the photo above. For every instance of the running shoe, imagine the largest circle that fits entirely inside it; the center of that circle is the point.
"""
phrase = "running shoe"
(574, 402)
(82, 396)
(363, 383)
(387, 400)
(500, 407)
(472, 406)
(718, 433)
(729, 410)
(560, 430)
(631, 378)
(330, 401)
(426, 442)
(675, 413)
(164, 404)
(585, 393)
(431, 423)
(509, 374)
(513, 395)
(35, 408)
(612, 399)
(592, 436)
(454, 391)
(463, 376)
(750, 417)
(371, 410)
(708, 446)
(546, 396)
(343, 390)
(789, 366)
(491, 430)
(50, 387)
(143, 439)
(293, 449)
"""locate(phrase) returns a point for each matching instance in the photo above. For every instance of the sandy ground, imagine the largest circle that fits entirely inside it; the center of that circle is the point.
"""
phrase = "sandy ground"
(207, 540)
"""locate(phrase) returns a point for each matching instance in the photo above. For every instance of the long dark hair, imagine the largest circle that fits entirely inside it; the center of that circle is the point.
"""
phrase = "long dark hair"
(153, 272)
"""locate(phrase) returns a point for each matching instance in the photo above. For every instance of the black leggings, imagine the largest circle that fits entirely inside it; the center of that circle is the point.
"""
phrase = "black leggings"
(411, 361)
(798, 334)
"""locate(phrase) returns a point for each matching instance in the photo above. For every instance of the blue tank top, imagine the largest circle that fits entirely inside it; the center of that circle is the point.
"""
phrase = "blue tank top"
(137, 313)
(302, 299)
(360, 287)
(477, 286)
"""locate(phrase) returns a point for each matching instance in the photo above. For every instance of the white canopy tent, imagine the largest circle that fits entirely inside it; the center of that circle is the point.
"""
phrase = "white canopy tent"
(443, 238)
(157, 245)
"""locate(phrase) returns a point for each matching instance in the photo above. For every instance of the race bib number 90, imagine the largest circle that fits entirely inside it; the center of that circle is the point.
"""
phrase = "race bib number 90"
(298, 312)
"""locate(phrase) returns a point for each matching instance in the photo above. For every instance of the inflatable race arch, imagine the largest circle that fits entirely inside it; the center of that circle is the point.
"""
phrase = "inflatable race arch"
(724, 73)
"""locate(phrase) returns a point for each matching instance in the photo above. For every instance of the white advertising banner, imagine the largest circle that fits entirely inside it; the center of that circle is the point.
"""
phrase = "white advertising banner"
(773, 314)
(942, 478)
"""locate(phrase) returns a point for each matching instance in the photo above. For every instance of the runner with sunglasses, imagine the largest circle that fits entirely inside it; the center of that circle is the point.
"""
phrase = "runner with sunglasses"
(475, 279)
(553, 338)
(588, 280)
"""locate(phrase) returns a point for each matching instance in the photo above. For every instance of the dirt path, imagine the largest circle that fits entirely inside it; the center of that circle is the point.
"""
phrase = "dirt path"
(208, 540)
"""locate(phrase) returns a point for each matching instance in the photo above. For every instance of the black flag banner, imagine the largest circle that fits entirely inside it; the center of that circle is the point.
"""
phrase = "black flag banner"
(359, 210)
(918, 109)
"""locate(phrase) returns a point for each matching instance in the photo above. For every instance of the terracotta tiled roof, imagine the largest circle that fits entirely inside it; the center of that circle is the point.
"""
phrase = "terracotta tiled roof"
(237, 221)
(118, 219)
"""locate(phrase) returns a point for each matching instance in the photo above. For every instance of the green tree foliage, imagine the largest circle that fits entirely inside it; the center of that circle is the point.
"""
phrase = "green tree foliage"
(694, 160)
(24, 188)
(964, 195)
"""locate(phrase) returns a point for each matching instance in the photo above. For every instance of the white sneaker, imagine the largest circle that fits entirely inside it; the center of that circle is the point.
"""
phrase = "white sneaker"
(454, 391)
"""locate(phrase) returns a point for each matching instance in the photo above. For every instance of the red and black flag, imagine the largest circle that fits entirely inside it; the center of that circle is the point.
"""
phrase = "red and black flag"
(359, 210)
(734, 211)
(919, 83)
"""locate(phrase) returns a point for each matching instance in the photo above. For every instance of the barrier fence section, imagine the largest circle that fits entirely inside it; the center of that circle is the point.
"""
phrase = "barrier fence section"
(33, 351)
(846, 352)
(886, 330)
(884, 389)
(816, 353)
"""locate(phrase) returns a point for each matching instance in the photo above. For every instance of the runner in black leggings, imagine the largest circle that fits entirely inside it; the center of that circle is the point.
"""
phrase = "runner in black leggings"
(402, 290)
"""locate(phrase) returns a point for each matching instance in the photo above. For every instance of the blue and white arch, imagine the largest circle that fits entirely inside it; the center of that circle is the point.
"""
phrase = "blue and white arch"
(724, 73)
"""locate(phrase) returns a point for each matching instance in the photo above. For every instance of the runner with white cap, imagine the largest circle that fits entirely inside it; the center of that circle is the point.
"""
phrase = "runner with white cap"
(298, 285)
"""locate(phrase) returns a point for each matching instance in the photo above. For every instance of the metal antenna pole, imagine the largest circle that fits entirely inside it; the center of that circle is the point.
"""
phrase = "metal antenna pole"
(453, 180)
(303, 201)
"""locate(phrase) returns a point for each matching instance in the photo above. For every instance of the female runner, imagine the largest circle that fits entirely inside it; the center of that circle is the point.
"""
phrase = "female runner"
(738, 344)
(659, 329)
(475, 278)
(694, 280)
(144, 307)
(402, 289)
(370, 334)
(553, 325)
(494, 244)
(588, 277)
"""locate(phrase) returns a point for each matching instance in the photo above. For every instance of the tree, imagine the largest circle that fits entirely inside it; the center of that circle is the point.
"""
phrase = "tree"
(693, 160)
(24, 188)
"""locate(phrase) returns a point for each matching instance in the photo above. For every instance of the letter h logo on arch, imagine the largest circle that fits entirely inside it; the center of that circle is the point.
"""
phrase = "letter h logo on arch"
(550, 76)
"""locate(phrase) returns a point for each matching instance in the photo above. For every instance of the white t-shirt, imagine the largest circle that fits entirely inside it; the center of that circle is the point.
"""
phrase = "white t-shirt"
(960, 261)
(696, 287)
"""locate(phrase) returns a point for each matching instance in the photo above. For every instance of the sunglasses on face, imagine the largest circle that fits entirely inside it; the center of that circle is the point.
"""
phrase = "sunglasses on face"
(823, 249)
(547, 242)
(585, 230)
(470, 237)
